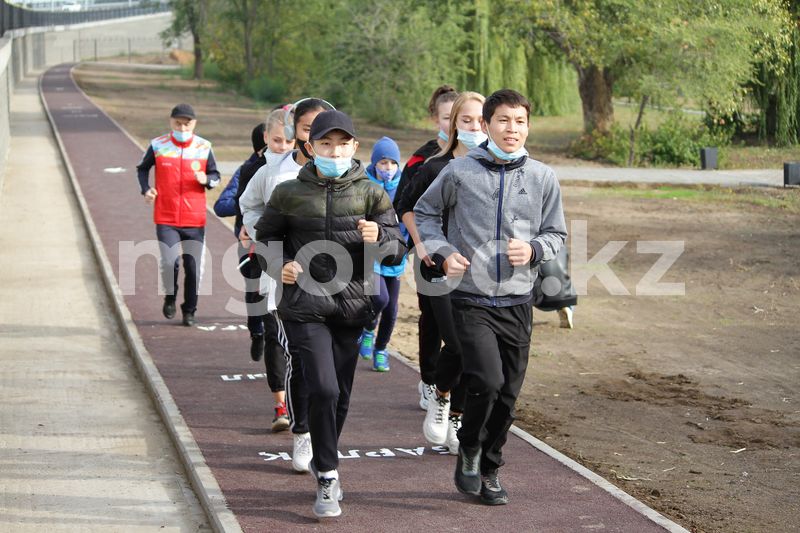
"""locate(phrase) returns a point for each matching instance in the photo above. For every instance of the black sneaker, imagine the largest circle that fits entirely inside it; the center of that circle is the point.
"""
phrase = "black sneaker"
(256, 347)
(169, 307)
(492, 493)
(188, 319)
(468, 468)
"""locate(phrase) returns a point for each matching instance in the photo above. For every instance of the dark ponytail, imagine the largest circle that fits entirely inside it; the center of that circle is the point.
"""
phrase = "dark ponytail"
(442, 94)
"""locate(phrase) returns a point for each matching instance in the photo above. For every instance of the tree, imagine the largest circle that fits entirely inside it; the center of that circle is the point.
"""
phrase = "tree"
(677, 48)
(189, 16)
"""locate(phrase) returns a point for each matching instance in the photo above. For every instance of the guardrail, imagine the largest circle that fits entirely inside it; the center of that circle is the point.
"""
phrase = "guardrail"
(15, 17)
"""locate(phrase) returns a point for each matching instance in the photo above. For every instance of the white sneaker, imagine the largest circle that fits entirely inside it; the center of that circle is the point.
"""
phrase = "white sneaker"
(435, 426)
(426, 392)
(301, 454)
(453, 425)
(565, 314)
(327, 503)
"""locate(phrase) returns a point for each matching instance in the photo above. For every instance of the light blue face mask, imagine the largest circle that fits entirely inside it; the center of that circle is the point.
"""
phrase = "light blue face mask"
(332, 167)
(471, 139)
(443, 136)
(272, 158)
(505, 156)
(386, 175)
(181, 136)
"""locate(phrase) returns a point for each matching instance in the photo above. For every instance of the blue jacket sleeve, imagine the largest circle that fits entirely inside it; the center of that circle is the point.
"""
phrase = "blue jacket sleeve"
(225, 206)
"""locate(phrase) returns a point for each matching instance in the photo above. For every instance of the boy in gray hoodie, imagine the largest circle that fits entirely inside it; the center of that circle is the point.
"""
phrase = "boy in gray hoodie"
(504, 218)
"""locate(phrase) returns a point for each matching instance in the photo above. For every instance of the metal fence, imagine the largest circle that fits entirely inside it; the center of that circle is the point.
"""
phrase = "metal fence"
(14, 17)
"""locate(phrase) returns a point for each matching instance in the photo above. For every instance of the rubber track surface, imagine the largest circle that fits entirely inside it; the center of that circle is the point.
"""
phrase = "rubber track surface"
(393, 480)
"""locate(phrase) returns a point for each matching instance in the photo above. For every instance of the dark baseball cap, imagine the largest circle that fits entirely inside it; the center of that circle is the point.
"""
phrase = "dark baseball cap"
(182, 111)
(328, 121)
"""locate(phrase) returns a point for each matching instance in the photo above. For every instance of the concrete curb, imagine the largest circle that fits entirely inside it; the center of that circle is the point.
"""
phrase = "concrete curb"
(203, 481)
(641, 508)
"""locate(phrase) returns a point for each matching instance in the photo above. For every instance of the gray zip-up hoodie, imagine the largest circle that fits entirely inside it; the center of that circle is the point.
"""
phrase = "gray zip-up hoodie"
(488, 204)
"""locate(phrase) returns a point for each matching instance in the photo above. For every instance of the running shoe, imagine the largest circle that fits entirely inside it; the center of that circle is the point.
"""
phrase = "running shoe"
(565, 314)
(188, 319)
(301, 452)
(315, 473)
(453, 425)
(435, 426)
(281, 420)
(468, 471)
(380, 361)
(367, 344)
(492, 493)
(256, 347)
(169, 307)
(426, 392)
(327, 504)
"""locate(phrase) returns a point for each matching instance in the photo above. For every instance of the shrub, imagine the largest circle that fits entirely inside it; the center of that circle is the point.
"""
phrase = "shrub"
(675, 142)
(266, 89)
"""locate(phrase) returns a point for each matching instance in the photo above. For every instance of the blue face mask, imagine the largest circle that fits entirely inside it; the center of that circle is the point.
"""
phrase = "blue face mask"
(443, 136)
(272, 158)
(505, 156)
(332, 167)
(386, 175)
(181, 136)
(471, 139)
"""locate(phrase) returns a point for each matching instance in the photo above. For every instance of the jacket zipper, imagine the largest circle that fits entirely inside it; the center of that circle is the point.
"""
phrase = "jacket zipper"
(498, 228)
(180, 189)
(328, 202)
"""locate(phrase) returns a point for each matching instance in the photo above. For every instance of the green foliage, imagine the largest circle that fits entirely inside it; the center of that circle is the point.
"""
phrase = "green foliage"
(675, 142)
(387, 59)
(266, 89)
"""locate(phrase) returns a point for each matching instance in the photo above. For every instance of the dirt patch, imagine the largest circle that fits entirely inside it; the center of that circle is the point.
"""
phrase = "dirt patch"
(691, 403)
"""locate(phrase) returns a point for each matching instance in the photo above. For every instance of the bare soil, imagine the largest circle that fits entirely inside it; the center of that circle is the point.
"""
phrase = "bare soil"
(690, 403)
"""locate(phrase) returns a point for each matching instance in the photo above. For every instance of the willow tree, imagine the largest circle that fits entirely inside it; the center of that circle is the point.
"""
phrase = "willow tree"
(702, 51)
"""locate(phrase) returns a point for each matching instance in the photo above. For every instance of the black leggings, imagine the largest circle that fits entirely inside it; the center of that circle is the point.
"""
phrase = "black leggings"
(261, 322)
(440, 365)
(386, 304)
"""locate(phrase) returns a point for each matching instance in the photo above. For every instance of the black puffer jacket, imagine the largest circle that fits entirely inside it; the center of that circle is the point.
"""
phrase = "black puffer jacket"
(320, 216)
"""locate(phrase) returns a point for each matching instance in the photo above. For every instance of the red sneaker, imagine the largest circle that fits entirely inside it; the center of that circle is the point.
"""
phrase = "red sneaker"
(281, 420)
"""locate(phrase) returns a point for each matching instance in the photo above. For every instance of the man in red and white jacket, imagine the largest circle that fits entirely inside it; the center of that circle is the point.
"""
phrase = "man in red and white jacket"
(185, 168)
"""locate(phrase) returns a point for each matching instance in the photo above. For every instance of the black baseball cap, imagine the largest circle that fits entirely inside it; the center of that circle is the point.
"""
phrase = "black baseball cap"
(328, 121)
(182, 111)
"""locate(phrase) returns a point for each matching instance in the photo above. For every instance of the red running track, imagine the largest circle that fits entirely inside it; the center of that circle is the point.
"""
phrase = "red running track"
(393, 480)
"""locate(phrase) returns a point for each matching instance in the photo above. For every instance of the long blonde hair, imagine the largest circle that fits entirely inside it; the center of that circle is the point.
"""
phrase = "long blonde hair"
(452, 139)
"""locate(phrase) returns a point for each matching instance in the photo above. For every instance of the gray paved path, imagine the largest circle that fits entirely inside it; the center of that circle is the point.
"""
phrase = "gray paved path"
(82, 447)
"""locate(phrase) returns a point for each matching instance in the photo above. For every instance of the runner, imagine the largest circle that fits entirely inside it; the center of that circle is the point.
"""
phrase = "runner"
(505, 217)
(383, 170)
(313, 229)
(268, 142)
(185, 168)
(430, 340)
(443, 417)
(297, 120)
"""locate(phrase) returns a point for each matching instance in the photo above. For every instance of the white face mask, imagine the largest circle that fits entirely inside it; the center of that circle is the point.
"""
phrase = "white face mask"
(273, 158)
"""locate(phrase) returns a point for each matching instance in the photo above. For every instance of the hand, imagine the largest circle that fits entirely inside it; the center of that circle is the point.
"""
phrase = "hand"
(290, 271)
(244, 238)
(519, 252)
(150, 196)
(201, 177)
(455, 265)
(369, 230)
(422, 253)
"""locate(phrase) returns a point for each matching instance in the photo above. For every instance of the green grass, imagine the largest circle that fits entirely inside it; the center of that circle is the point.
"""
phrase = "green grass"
(775, 199)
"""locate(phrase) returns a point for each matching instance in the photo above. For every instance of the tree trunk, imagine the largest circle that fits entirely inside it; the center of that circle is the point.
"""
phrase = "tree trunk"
(635, 128)
(198, 58)
(594, 86)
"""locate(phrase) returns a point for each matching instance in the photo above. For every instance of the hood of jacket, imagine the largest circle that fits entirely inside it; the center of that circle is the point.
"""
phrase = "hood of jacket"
(483, 156)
